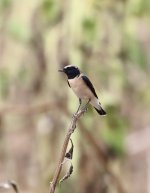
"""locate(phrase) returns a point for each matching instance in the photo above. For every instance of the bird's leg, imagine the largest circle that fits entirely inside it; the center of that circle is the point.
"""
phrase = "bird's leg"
(86, 105)
(80, 102)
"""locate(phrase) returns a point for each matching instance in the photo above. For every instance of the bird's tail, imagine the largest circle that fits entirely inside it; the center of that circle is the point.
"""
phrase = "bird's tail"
(101, 111)
(97, 105)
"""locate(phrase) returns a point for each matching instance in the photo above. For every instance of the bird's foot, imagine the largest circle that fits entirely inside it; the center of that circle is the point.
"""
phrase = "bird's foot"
(74, 115)
(84, 109)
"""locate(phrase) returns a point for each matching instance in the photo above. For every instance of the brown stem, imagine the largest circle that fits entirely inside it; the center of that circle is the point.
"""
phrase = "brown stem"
(71, 129)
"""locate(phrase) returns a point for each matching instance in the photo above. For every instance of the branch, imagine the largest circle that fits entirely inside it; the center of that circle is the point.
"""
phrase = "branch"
(71, 129)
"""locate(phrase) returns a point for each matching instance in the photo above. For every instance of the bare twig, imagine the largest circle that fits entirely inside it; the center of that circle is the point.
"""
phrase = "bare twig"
(71, 129)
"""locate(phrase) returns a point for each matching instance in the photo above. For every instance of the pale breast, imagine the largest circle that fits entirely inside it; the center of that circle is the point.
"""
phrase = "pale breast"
(80, 88)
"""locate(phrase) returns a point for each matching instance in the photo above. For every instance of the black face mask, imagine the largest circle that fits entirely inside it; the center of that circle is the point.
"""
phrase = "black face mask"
(71, 72)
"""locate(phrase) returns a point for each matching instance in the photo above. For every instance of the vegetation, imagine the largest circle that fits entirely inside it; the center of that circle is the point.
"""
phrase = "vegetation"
(109, 41)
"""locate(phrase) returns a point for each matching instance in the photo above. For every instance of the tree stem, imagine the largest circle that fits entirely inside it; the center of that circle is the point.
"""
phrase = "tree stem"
(71, 129)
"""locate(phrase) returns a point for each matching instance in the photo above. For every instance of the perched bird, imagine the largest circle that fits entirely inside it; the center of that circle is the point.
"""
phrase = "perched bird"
(82, 87)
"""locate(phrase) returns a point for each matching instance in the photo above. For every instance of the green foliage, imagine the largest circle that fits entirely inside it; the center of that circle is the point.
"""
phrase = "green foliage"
(114, 133)
(89, 29)
(139, 7)
(4, 4)
(47, 7)
(50, 11)
(144, 97)
(18, 31)
(4, 83)
(92, 35)
(115, 140)
(135, 52)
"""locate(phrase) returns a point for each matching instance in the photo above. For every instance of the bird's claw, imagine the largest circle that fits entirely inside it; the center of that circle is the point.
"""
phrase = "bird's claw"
(74, 115)
(84, 109)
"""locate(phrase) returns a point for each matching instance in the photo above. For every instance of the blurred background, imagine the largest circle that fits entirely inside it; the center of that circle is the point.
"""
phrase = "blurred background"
(110, 41)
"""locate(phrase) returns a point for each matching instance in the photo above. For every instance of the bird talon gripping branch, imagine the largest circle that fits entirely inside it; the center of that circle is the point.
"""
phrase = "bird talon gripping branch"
(74, 115)
(83, 88)
(85, 109)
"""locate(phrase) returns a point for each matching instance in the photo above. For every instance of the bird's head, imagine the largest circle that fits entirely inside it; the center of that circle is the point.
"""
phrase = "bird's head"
(71, 71)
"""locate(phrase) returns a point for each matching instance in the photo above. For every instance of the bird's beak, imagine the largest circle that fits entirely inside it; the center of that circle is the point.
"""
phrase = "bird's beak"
(60, 70)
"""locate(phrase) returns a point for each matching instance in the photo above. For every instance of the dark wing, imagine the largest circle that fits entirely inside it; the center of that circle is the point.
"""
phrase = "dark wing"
(89, 84)
(68, 84)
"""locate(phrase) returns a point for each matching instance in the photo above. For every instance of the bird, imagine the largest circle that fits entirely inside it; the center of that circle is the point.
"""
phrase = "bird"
(82, 87)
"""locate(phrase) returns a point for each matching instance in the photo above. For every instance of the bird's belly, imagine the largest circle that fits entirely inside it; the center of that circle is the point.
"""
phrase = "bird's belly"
(80, 89)
(81, 93)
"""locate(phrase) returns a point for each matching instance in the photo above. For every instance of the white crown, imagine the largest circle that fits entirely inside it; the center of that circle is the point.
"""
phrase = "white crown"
(70, 66)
